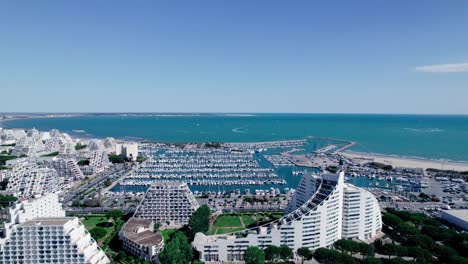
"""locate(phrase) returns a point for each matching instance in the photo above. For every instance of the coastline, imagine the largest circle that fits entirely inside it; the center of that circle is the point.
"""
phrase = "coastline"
(407, 162)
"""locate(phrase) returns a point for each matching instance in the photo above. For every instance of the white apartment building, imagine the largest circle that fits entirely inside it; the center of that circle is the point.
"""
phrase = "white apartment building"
(68, 169)
(35, 182)
(127, 150)
(167, 203)
(43, 206)
(361, 214)
(138, 238)
(315, 218)
(98, 162)
(37, 231)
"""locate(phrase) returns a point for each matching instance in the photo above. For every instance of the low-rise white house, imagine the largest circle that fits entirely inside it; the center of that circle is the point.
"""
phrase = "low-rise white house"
(138, 238)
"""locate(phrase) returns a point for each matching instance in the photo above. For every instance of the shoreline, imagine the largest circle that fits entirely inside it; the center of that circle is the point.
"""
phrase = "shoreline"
(407, 162)
(396, 160)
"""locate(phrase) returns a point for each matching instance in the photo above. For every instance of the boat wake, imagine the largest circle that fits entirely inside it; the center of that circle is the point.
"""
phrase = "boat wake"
(241, 130)
(425, 130)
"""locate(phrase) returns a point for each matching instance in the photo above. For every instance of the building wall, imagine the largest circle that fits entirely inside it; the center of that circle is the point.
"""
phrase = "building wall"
(66, 242)
(456, 220)
(169, 204)
(314, 219)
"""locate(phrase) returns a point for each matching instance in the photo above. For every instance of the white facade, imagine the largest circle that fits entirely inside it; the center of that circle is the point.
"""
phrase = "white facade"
(98, 162)
(139, 239)
(43, 206)
(314, 218)
(361, 214)
(169, 203)
(37, 231)
(66, 168)
(35, 182)
(127, 150)
(456, 217)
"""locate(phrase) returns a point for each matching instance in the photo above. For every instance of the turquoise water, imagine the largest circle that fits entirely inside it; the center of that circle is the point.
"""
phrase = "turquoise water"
(435, 137)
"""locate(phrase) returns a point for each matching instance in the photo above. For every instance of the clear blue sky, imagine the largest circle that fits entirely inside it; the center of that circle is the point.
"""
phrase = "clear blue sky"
(234, 56)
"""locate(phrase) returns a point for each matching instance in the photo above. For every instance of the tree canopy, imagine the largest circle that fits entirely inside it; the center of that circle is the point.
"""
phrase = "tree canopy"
(330, 256)
(304, 253)
(5, 200)
(98, 232)
(254, 255)
(200, 219)
(116, 213)
(272, 253)
(178, 251)
(116, 158)
(285, 252)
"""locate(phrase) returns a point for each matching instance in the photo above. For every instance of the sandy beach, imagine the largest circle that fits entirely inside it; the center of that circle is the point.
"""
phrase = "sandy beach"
(407, 162)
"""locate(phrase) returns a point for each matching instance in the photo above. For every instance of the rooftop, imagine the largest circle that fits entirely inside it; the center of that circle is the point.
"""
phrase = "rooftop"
(461, 213)
(54, 221)
(138, 231)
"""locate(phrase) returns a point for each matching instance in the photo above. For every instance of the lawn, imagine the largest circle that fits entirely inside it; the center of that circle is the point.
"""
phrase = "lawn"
(224, 230)
(91, 222)
(247, 219)
(238, 222)
(228, 221)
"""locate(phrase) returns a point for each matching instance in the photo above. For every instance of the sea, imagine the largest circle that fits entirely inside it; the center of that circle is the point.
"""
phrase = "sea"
(438, 137)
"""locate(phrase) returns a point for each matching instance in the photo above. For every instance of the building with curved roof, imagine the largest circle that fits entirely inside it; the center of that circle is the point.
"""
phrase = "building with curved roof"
(322, 211)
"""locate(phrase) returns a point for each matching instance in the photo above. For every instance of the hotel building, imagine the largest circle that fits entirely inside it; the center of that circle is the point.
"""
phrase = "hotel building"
(167, 203)
(323, 210)
(37, 231)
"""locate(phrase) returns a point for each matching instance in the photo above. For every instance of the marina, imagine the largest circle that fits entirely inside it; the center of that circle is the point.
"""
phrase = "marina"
(249, 167)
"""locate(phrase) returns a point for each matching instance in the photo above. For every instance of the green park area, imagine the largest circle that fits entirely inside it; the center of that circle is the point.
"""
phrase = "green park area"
(101, 228)
(104, 228)
(231, 223)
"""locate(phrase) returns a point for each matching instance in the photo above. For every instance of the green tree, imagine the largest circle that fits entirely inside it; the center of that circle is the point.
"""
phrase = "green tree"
(156, 226)
(83, 163)
(200, 219)
(79, 146)
(116, 158)
(107, 182)
(391, 219)
(304, 253)
(285, 252)
(343, 245)
(330, 256)
(5, 200)
(366, 250)
(372, 260)
(272, 253)
(422, 255)
(178, 251)
(120, 256)
(98, 232)
(254, 255)
(114, 214)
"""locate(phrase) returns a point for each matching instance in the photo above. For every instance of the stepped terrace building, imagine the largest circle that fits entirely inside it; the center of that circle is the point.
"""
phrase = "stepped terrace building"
(37, 231)
(167, 203)
(35, 182)
(323, 210)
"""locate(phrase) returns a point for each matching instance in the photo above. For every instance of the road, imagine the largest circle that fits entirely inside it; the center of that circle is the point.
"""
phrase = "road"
(96, 210)
(95, 181)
